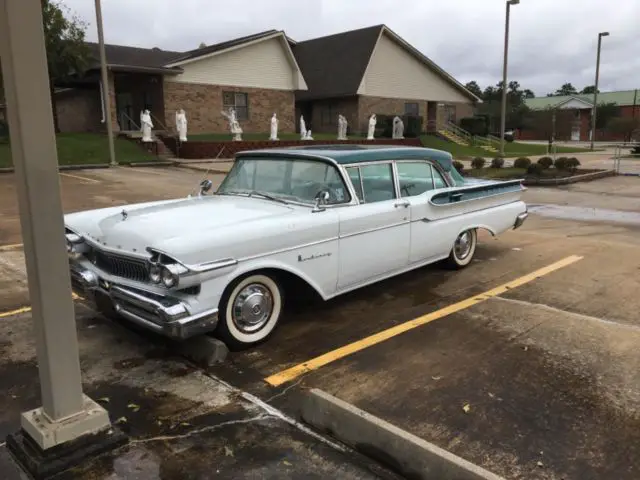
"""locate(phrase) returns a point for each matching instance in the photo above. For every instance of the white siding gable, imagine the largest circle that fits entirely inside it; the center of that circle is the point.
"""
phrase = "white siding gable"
(575, 103)
(393, 72)
(264, 64)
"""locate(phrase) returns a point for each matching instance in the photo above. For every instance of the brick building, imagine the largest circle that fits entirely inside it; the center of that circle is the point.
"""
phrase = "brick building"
(573, 115)
(356, 73)
(373, 70)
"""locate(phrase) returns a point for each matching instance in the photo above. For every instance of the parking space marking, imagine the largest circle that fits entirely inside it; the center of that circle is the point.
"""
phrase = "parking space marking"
(329, 357)
(78, 177)
(18, 311)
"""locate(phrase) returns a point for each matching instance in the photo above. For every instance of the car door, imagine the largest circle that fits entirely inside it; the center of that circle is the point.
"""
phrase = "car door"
(374, 235)
(418, 181)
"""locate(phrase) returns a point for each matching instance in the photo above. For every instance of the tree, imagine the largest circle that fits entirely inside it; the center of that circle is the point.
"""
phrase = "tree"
(606, 112)
(517, 112)
(589, 90)
(67, 52)
(565, 89)
(202, 45)
(474, 88)
(552, 123)
(626, 126)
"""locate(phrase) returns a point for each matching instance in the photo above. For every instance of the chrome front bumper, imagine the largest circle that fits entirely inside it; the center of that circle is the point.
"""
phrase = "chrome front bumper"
(165, 315)
(520, 220)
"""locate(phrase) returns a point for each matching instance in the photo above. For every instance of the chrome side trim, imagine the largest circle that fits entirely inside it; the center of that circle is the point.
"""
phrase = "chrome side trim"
(213, 265)
(370, 230)
(288, 249)
(461, 202)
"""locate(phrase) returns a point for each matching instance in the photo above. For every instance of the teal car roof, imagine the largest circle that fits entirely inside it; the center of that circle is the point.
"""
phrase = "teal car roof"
(348, 154)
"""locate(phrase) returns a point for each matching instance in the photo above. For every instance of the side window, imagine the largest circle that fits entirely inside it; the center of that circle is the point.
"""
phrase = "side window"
(354, 175)
(415, 178)
(438, 180)
(377, 181)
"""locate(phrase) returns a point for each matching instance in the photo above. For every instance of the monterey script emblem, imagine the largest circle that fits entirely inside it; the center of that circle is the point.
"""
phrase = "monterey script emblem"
(313, 257)
(124, 215)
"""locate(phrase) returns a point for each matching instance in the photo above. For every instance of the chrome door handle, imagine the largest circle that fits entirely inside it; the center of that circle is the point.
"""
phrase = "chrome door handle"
(402, 204)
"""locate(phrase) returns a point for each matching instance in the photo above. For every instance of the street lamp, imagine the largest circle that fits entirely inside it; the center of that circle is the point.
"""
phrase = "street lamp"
(595, 93)
(504, 75)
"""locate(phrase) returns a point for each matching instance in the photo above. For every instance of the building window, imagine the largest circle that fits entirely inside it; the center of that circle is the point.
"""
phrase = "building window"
(238, 101)
(412, 108)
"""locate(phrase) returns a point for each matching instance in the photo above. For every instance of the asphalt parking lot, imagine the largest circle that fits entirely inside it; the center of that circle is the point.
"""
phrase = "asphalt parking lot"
(540, 381)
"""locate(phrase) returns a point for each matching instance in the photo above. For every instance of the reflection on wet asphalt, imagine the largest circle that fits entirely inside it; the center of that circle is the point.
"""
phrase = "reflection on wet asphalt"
(586, 213)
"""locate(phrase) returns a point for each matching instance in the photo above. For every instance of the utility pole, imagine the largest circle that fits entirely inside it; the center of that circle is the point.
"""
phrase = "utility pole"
(504, 75)
(105, 84)
(595, 93)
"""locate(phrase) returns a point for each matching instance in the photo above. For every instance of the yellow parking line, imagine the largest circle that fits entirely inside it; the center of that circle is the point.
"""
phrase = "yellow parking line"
(78, 177)
(28, 309)
(4, 248)
(329, 357)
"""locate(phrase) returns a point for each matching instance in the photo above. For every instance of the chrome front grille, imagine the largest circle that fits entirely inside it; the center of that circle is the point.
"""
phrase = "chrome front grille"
(120, 266)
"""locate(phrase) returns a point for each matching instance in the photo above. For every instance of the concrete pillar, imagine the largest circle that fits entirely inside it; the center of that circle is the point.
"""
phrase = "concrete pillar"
(66, 413)
(112, 103)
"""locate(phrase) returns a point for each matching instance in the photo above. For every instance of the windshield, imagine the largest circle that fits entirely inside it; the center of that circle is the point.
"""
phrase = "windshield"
(288, 179)
(456, 177)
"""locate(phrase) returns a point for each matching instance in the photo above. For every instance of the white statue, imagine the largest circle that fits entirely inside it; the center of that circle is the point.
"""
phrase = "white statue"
(398, 128)
(308, 135)
(181, 125)
(372, 127)
(234, 125)
(342, 127)
(146, 125)
(303, 128)
(274, 128)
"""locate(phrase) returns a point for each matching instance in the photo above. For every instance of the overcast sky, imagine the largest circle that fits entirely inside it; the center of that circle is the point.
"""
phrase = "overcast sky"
(551, 41)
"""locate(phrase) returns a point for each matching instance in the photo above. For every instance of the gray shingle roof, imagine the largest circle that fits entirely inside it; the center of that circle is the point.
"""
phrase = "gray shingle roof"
(333, 66)
(132, 56)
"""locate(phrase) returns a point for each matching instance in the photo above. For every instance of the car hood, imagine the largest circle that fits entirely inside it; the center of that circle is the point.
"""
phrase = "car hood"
(135, 227)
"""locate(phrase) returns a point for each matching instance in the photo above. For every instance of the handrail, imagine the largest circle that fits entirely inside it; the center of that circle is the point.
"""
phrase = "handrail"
(458, 131)
(139, 127)
(164, 127)
(493, 138)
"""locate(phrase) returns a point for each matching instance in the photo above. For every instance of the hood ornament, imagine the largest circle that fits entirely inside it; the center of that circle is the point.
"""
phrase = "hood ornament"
(124, 215)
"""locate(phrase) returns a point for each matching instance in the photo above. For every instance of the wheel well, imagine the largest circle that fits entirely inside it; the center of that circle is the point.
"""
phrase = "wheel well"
(491, 232)
(296, 289)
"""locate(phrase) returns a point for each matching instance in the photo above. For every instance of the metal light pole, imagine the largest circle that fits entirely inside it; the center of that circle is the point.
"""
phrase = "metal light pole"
(105, 84)
(66, 413)
(595, 93)
(504, 75)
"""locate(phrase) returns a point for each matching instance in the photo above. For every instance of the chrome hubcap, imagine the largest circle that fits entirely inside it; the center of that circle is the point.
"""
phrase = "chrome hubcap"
(252, 308)
(462, 247)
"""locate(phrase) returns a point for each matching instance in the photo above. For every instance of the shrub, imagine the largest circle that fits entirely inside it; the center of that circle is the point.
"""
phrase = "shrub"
(497, 162)
(546, 162)
(412, 125)
(572, 164)
(477, 162)
(535, 169)
(561, 163)
(475, 125)
(459, 166)
(522, 162)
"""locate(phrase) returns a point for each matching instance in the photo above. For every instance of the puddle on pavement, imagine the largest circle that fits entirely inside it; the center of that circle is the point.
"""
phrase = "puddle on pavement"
(586, 213)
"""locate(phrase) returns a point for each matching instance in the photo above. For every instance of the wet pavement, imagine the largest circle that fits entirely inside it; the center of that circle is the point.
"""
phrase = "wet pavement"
(541, 382)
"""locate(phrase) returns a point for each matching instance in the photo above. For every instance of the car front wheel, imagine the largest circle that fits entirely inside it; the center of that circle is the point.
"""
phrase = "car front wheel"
(250, 311)
(463, 249)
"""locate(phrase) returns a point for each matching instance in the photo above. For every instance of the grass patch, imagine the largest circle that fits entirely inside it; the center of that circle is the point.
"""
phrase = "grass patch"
(511, 150)
(260, 137)
(86, 149)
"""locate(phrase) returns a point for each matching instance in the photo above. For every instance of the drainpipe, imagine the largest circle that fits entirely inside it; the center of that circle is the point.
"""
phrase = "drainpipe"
(635, 98)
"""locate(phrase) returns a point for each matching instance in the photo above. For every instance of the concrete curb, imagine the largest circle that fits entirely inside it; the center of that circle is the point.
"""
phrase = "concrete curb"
(405, 453)
(586, 177)
(203, 350)
(95, 166)
(201, 169)
(167, 163)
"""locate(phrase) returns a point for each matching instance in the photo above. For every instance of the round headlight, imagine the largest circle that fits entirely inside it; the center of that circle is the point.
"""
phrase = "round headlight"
(155, 274)
(168, 278)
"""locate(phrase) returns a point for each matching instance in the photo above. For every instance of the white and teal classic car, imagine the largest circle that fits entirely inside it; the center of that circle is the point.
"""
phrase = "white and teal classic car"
(332, 218)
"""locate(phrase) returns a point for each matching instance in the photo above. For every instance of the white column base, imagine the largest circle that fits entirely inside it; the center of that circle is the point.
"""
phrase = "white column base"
(47, 433)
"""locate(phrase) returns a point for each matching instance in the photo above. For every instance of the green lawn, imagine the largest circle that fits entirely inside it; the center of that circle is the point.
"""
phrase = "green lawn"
(513, 149)
(85, 149)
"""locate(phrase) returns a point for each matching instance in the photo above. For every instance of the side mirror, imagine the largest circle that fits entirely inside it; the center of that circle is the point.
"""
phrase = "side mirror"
(205, 186)
(322, 198)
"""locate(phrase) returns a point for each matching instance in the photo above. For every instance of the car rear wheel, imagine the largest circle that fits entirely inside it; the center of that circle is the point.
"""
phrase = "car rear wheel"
(463, 249)
(251, 310)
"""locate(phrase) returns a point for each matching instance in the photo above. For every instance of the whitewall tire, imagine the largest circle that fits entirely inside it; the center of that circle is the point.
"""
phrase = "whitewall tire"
(463, 249)
(250, 311)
